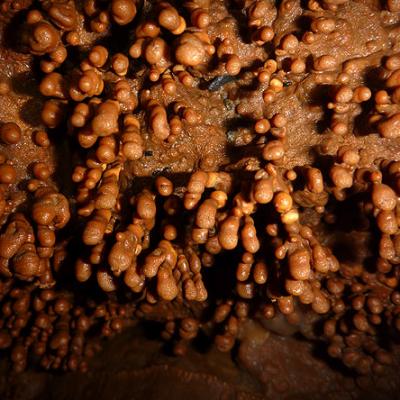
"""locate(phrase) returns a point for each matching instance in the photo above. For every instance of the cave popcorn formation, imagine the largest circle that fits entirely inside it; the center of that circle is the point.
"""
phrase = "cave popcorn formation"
(212, 158)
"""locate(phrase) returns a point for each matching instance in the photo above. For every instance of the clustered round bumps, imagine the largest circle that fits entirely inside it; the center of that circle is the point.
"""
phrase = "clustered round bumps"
(190, 231)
